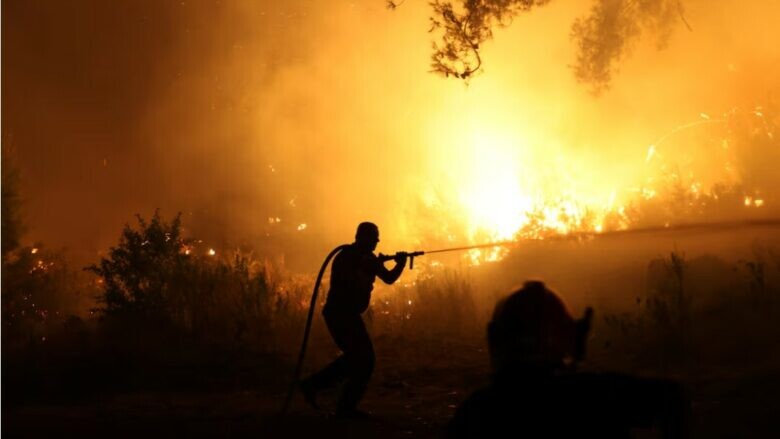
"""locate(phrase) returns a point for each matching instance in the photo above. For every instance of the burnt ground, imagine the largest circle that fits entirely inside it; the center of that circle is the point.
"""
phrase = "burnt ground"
(412, 395)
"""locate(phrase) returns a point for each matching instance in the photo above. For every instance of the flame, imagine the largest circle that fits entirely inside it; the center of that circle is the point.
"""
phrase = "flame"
(503, 180)
(503, 177)
(492, 179)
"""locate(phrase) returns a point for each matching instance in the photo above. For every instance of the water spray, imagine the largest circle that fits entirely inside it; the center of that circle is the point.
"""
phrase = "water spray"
(686, 227)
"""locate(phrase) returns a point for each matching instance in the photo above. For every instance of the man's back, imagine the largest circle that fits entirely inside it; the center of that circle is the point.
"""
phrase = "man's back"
(352, 280)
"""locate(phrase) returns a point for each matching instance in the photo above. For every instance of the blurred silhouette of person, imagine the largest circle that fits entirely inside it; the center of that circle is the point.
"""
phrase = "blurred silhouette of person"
(351, 280)
(534, 346)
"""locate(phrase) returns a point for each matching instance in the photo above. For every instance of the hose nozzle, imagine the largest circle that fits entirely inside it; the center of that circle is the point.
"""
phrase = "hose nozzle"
(410, 255)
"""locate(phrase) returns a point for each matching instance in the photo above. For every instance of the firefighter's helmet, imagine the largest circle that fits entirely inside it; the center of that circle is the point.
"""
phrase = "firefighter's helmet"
(531, 328)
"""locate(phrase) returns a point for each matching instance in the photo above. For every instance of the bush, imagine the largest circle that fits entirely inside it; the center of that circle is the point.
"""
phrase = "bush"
(438, 305)
(157, 278)
(40, 292)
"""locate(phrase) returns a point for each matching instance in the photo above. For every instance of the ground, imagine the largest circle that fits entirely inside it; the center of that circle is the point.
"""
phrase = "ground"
(407, 401)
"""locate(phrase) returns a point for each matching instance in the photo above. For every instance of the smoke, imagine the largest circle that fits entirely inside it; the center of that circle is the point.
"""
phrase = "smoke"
(281, 125)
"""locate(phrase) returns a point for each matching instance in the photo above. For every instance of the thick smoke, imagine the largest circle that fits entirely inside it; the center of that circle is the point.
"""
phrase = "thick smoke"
(281, 125)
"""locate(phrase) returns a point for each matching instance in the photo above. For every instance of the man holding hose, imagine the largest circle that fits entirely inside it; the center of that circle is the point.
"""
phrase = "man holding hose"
(351, 280)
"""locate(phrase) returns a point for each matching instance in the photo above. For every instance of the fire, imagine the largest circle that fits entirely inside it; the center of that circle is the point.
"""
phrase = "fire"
(478, 256)
(498, 175)
(492, 180)
(503, 180)
(751, 201)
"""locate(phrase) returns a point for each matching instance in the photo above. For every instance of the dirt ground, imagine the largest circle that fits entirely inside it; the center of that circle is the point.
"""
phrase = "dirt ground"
(406, 402)
(399, 409)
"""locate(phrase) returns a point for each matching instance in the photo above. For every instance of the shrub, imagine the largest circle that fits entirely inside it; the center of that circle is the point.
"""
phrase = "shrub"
(39, 292)
(156, 278)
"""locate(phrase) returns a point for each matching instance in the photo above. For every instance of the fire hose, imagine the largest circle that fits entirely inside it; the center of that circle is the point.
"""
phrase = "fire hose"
(705, 226)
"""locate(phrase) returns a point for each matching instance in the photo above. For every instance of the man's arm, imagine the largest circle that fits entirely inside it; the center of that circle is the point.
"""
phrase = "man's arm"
(390, 276)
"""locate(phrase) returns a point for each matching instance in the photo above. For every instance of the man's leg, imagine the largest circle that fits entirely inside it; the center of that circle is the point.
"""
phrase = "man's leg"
(328, 376)
(337, 370)
(359, 358)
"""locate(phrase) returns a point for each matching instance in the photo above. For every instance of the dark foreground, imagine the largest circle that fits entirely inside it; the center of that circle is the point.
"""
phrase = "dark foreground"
(406, 402)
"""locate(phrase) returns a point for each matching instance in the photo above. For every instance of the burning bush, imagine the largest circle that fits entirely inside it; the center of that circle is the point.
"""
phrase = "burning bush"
(139, 275)
(440, 304)
(40, 292)
(158, 278)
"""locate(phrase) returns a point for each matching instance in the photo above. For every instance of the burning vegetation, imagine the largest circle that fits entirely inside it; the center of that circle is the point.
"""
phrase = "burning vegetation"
(273, 155)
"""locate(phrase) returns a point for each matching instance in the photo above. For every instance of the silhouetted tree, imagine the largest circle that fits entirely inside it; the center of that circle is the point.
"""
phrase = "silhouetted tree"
(465, 28)
(610, 30)
(39, 292)
(138, 274)
(157, 276)
(603, 37)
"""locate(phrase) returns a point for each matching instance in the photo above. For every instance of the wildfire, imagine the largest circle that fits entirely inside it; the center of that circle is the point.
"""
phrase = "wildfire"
(41, 266)
(492, 183)
(755, 202)
(507, 183)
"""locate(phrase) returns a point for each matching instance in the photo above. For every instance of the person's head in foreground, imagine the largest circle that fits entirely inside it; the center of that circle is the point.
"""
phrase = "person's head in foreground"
(534, 344)
(533, 330)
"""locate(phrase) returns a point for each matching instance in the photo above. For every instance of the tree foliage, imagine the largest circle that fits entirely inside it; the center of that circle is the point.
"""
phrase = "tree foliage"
(40, 292)
(603, 37)
(464, 28)
(607, 34)
(139, 273)
(156, 276)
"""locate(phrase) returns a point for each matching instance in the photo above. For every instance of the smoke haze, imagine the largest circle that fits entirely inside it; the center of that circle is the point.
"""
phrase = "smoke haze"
(281, 125)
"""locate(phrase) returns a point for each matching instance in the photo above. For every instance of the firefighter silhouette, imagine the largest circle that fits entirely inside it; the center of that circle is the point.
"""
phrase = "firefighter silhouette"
(352, 278)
